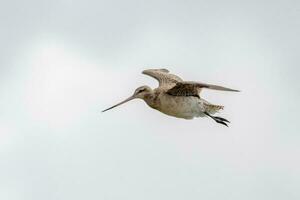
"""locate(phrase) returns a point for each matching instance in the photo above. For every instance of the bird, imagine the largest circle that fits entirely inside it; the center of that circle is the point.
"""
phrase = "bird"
(178, 98)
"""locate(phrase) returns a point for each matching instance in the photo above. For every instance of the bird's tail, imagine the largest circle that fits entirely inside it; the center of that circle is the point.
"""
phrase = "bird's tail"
(211, 108)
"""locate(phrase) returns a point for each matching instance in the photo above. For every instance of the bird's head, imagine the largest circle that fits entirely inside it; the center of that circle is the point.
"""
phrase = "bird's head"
(139, 93)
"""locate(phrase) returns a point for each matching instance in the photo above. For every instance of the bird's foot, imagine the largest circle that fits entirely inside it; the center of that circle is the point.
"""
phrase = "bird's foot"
(219, 120)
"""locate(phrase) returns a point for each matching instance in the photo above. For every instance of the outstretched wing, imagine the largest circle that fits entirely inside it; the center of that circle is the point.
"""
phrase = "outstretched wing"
(189, 88)
(164, 78)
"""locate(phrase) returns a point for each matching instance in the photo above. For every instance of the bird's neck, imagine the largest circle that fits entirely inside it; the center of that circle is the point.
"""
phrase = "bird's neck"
(150, 99)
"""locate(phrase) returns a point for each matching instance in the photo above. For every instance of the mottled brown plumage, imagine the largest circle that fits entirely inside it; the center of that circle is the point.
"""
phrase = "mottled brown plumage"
(163, 76)
(176, 97)
(189, 88)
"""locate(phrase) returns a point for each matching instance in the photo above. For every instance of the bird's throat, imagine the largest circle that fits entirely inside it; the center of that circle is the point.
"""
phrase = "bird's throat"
(151, 100)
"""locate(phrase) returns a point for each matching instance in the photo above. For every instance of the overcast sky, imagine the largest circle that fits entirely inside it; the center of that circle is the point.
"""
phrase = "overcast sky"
(63, 61)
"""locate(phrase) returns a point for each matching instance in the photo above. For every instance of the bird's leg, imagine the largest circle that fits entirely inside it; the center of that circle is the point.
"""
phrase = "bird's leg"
(222, 119)
(219, 120)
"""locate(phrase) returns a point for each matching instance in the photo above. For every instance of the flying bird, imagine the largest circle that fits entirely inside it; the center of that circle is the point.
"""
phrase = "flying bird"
(177, 98)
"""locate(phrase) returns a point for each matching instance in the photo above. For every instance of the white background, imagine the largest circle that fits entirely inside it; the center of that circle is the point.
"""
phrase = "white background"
(63, 61)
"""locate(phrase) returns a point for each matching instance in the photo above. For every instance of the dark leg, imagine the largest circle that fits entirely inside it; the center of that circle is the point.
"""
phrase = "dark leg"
(219, 120)
(222, 119)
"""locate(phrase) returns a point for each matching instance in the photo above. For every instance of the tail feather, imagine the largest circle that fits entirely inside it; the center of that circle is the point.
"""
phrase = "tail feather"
(212, 109)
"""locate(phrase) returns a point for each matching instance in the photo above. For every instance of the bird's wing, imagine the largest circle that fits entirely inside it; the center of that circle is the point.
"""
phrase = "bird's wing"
(164, 78)
(189, 88)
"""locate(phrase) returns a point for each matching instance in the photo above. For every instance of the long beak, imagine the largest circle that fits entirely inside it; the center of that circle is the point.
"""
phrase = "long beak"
(126, 100)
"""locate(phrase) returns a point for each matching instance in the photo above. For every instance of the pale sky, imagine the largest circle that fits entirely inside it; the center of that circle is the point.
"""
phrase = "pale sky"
(63, 61)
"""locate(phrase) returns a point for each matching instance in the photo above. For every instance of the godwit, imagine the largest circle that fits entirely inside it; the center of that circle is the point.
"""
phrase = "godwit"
(176, 97)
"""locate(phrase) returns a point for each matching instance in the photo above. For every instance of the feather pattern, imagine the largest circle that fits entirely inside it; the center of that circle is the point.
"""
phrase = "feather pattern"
(165, 79)
(190, 88)
(177, 98)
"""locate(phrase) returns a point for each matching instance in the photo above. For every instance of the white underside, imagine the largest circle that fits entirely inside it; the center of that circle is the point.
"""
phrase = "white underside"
(185, 107)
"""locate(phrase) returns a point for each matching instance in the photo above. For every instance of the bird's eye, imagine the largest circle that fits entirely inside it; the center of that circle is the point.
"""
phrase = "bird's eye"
(142, 90)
